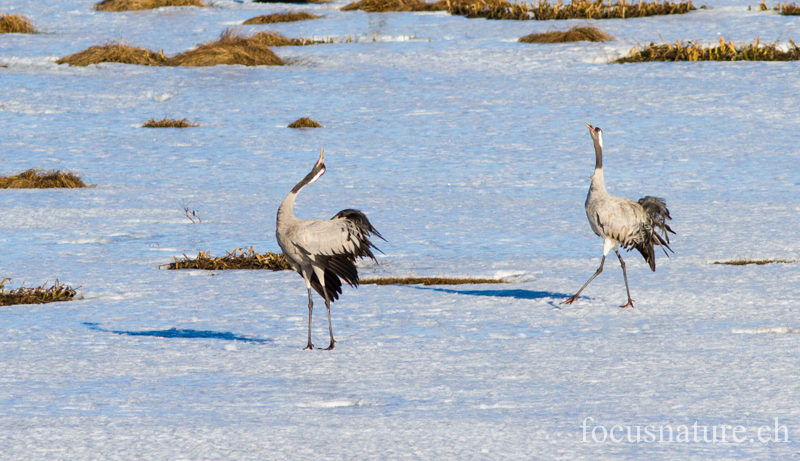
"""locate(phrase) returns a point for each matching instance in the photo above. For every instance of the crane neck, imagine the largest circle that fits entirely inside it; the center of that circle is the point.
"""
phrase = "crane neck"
(598, 153)
(286, 210)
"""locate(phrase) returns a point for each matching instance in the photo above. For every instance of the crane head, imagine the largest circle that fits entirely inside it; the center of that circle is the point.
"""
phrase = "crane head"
(597, 133)
(319, 167)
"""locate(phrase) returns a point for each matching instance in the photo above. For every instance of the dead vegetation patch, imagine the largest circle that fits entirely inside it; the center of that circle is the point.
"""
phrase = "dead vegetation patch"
(277, 39)
(757, 262)
(425, 281)
(790, 9)
(231, 48)
(15, 24)
(35, 179)
(573, 34)
(289, 16)
(114, 52)
(237, 259)
(725, 51)
(543, 10)
(293, 1)
(37, 295)
(168, 123)
(304, 122)
(132, 5)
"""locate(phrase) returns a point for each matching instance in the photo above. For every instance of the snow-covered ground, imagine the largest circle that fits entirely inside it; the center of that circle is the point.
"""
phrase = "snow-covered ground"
(468, 152)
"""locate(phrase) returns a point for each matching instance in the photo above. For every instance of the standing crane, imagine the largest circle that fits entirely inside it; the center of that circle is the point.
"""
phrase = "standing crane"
(323, 251)
(620, 221)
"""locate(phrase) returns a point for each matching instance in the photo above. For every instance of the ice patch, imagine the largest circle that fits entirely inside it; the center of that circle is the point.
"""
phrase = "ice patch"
(332, 404)
(755, 331)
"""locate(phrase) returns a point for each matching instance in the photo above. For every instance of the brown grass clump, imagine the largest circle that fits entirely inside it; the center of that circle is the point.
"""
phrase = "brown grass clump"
(114, 52)
(34, 179)
(231, 48)
(38, 295)
(245, 259)
(304, 122)
(757, 262)
(425, 281)
(277, 39)
(790, 9)
(573, 34)
(386, 6)
(130, 5)
(601, 10)
(168, 123)
(725, 51)
(281, 17)
(15, 24)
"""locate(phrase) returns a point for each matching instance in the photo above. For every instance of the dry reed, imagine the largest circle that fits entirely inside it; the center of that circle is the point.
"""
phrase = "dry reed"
(15, 24)
(38, 295)
(237, 259)
(790, 10)
(132, 5)
(231, 48)
(573, 34)
(168, 123)
(757, 262)
(34, 179)
(385, 6)
(281, 17)
(304, 122)
(425, 281)
(114, 52)
(725, 51)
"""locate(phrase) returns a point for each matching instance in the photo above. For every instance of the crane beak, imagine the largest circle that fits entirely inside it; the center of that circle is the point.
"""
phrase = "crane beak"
(590, 126)
(321, 160)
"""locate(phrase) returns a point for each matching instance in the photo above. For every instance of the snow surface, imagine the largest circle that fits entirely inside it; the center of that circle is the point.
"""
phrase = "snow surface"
(468, 152)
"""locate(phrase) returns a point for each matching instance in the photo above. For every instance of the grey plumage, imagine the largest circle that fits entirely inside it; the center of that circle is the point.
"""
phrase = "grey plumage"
(619, 221)
(323, 251)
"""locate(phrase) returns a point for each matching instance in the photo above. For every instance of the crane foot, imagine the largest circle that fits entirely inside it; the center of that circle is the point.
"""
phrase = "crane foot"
(330, 348)
(309, 347)
(569, 301)
(630, 304)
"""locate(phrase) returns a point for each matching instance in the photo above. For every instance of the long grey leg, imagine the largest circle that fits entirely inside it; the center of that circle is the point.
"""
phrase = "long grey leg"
(330, 326)
(310, 310)
(625, 276)
(599, 269)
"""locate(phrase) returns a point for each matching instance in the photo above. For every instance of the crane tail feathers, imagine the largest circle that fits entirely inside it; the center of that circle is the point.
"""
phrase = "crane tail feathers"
(656, 229)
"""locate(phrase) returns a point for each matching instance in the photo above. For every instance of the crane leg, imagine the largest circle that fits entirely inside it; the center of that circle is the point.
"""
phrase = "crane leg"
(310, 310)
(330, 326)
(625, 276)
(599, 269)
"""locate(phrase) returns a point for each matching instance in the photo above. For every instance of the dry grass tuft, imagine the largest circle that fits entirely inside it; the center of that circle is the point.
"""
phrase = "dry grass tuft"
(231, 48)
(278, 39)
(544, 10)
(425, 281)
(237, 259)
(38, 295)
(573, 34)
(757, 262)
(34, 179)
(725, 51)
(114, 52)
(130, 5)
(281, 17)
(305, 122)
(15, 24)
(789, 10)
(168, 123)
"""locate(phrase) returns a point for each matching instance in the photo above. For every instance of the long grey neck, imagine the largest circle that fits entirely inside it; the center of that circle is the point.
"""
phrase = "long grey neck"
(598, 153)
(598, 181)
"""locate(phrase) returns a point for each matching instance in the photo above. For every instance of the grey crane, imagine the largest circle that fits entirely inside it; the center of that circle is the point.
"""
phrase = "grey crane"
(323, 251)
(620, 221)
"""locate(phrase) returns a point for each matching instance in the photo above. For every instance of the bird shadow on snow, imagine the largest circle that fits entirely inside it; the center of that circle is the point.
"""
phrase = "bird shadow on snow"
(185, 334)
(513, 293)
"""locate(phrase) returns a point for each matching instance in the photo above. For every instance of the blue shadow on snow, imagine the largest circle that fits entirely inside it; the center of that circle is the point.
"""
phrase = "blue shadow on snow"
(518, 294)
(186, 334)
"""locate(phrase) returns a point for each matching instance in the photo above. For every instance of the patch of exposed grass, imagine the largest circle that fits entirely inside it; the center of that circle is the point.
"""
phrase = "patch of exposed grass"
(293, 1)
(15, 24)
(231, 48)
(386, 6)
(601, 10)
(289, 16)
(757, 262)
(237, 259)
(425, 281)
(790, 9)
(130, 5)
(35, 179)
(278, 39)
(168, 123)
(114, 52)
(38, 295)
(725, 51)
(304, 122)
(573, 34)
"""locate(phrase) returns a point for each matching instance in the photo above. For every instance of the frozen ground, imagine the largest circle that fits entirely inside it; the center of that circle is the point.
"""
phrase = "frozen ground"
(468, 152)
